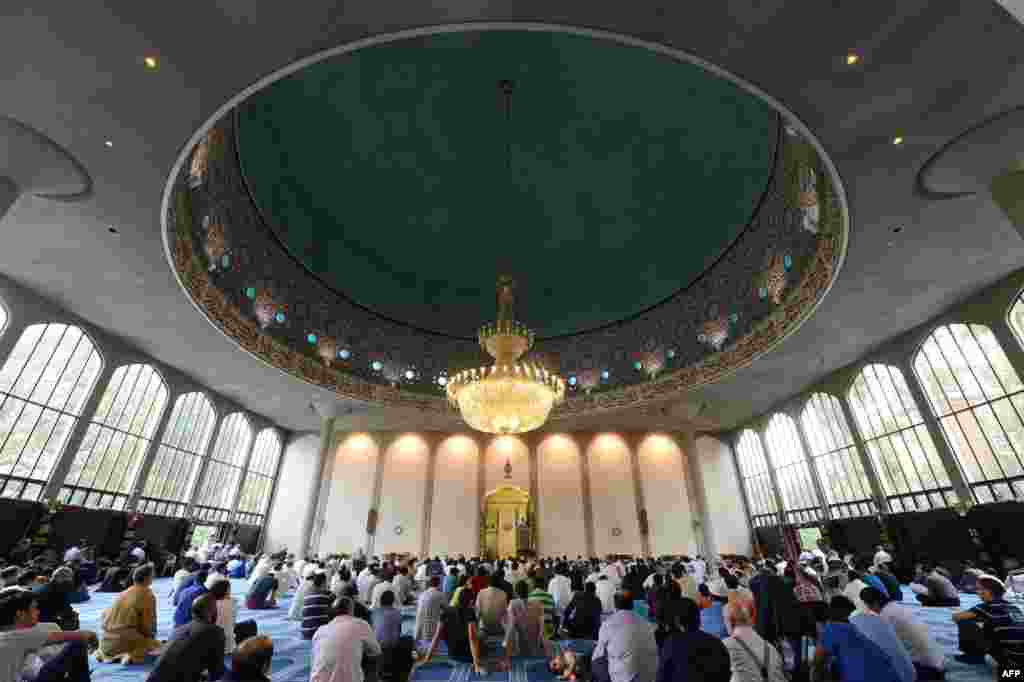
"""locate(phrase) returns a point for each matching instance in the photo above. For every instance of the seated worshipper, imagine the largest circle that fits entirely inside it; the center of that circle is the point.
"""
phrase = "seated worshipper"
(687, 654)
(129, 625)
(263, 593)
(606, 593)
(712, 612)
(854, 586)
(941, 590)
(491, 605)
(428, 611)
(316, 609)
(262, 568)
(403, 586)
(853, 656)
(194, 648)
(458, 628)
(626, 650)
(882, 633)
(31, 651)
(340, 646)
(994, 627)
(882, 556)
(583, 615)
(924, 652)
(287, 579)
(524, 634)
(250, 662)
(396, 650)
(114, 579)
(539, 594)
(183, 577)
(295, 610)
(751, 658)
(79, 587)
(236, 569)
(183, 611)
(53, 600)
(892, 584)
(451, 581)
(220, 592)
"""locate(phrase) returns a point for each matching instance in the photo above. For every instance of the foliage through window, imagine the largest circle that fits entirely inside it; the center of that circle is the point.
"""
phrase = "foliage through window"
(105, 467)
(224, 470)
(183, 443)
(259, 479)
(44, 385)
(845, 483)
(978, 398)
(898, 442)
(791, 470)
(756, 479)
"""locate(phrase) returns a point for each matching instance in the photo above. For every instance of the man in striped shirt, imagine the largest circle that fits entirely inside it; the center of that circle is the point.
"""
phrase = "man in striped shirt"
(541, 595)
(316, 607)
(994, 627)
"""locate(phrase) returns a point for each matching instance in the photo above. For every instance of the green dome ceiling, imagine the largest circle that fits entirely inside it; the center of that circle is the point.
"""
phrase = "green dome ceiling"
(383, 171)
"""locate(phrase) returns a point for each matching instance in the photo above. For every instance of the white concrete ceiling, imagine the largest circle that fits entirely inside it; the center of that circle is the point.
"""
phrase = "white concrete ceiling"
(929, 70)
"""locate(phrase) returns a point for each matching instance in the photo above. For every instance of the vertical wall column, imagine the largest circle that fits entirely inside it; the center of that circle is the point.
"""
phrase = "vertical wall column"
(779, 502)
(945, 452)
(481, 490)
(588, 507)
(877, 492)
(696, 492)
(63, 465)
(633, 441)
(433, 441)
(328, 416)
(384, 441)
(324, 496)
(1008, 341)
(533, 443)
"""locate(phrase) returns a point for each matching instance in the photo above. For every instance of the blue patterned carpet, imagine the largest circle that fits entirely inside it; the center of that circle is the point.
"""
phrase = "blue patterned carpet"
(292, 653)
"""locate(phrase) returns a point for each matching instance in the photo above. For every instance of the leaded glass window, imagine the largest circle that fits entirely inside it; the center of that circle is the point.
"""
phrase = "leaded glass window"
(259, 479)
(44, 384)
(756, 479)
(834, 453)
(224, 470)
(182, 446)
(104, 469)
(898, 442)
(791, 470)
(978, 398)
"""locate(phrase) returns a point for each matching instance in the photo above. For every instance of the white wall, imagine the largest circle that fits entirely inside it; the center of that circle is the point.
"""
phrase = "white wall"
(402, 495)
(292, 500)
(613, 500)
(355, 462)
(560, 527)
(726, 517)
(454, 519)
(670, 518)
(497, 452)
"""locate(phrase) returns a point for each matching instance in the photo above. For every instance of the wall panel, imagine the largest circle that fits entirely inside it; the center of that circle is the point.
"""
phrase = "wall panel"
(401, 498)
(560, 507)
(292, 500)
(611, 489)
(722, 494)
(453, 523)
(664, 484)
(355, 462)
(515, 451)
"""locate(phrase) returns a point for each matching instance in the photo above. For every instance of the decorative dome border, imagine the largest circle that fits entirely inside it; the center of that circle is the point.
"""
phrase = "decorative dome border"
(763, 289)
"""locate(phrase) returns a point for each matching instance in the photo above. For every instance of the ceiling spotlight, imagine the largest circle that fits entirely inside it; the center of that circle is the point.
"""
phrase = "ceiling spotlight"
(606, 375)
(572, 381)
(344, 353)
(410, 374)
(898, 140)
(852, 58)
(377, 365)
(150, 62)
(111, 229)
(109, 143)
(442, 380)
(311, 338)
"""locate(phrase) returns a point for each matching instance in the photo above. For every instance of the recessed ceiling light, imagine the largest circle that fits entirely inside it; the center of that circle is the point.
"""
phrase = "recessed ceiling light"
(897, 140)
(150, 62)
(109, 143)
(852, 58)
(410, 374)
(111, 229)
(897, 229)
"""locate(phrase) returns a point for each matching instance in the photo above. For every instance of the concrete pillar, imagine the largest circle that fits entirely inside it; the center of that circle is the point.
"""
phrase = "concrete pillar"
(633, 441)
(433, 441)
(384, 441)
(328, 415)
(588, 506)
(697, 493)
(481, 489)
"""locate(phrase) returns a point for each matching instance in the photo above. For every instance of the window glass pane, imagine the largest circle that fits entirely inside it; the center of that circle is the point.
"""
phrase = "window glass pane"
(754, 471)
(972, 389)
(898, 444)
(227, 460)
(43, 385)
(259, 480)
(114, 446)
(834, 454)
(184, 441)
(791, 468)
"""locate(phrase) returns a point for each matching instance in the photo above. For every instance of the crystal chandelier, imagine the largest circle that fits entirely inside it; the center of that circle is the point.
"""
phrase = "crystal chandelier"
(510, 396)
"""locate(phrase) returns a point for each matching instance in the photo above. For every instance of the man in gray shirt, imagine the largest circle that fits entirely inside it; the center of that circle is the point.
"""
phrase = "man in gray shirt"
(625, 646)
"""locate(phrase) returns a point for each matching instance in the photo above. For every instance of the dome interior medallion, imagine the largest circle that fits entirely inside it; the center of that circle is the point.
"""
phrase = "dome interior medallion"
(345, 219)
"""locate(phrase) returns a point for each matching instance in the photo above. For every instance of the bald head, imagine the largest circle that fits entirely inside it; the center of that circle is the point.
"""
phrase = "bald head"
(252, 657)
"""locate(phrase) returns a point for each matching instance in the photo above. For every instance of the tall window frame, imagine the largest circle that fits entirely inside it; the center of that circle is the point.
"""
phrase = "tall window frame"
(756, 478)
(179, 456)
(260, 477)
(45, 383)
(792, 470)
(978, 399)
(833, 452)
(897, 440)
(224, 469)
(104, 470)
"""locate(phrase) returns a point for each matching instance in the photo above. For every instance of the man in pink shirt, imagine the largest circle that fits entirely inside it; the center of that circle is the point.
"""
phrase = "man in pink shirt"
(339, 647)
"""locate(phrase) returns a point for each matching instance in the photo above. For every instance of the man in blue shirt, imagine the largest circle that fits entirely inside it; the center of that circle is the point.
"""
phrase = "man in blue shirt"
(994, 627)
(854, 657)
(183, 611)
(882, 633)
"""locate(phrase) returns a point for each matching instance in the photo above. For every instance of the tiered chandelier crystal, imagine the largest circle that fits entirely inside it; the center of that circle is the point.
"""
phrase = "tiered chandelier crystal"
(510, 396)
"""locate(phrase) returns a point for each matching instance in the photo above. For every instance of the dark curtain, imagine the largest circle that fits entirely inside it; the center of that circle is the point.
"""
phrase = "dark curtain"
(161, 532)
(939, 535)
(18, 516)
(999, 530)
(248, 537)
(101, 528)
(857, 536)
(770, 539)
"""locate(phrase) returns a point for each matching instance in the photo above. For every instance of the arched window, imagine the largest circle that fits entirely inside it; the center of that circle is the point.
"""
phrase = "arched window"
(1016, 316)
(108, 459)
(44, 384)
(978, 398)
(791, 470)
(898, 441)
(224, 470)
(834, 453)
(3, 318)
(756, 479)
(259, 479)
(176, 465)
